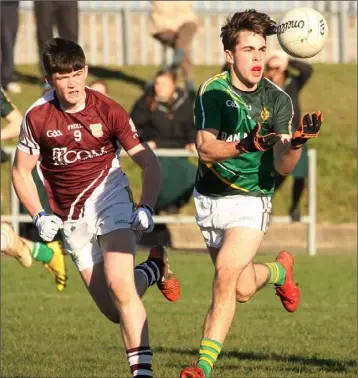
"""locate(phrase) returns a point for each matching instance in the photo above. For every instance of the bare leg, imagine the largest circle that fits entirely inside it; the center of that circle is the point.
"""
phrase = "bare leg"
(119, 248)
(252, 278)
(95, 280)
(239, 248)
(96, 284)
(29, 243)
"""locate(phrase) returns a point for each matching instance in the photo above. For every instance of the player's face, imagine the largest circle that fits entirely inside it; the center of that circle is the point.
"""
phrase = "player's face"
(164, 87)
(248, 59)
(70, 87)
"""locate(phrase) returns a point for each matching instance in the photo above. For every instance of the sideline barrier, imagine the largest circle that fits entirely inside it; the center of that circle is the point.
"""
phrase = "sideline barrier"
(16, 218)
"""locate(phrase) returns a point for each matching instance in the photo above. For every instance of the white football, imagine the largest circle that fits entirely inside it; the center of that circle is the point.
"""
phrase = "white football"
(302, 32)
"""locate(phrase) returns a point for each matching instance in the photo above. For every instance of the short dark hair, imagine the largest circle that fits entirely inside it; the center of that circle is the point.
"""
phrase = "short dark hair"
(150, 98)
(60, 55)
(251, 20)
(172, 73)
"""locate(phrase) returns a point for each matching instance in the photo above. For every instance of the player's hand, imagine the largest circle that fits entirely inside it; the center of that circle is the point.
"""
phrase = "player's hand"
(255, 142)
(309, 128)
(47, 225)
(142, 219)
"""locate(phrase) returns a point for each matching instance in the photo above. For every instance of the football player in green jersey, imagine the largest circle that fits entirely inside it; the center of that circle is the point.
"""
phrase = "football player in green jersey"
(243, 140)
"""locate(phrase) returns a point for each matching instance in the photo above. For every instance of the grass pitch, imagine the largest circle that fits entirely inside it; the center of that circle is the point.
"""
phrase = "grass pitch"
(51, 334)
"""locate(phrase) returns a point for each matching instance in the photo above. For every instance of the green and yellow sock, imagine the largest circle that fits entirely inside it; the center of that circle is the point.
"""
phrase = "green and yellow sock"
(41, 252)
(209, 351)
(277, 273)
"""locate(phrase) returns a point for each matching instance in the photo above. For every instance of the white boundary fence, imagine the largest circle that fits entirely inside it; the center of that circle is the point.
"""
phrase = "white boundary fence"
(16, 218)
(117, 32)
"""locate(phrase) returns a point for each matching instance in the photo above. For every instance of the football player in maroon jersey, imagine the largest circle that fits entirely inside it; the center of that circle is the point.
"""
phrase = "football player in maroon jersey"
(77, 133)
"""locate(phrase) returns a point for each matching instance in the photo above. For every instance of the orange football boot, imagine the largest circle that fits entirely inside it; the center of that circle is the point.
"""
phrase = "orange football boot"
(168, 283)
(289, 292)
(192, 371)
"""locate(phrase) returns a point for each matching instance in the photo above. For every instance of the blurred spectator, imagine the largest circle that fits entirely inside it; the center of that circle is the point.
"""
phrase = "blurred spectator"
(99, 86)
(9, 26)
(174, 23)
(291, 75)
(164, 119)
(63, 15)
(13, 117)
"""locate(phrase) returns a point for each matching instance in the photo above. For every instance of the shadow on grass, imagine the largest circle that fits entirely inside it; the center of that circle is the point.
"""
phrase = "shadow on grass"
(116, 74)
(29, 78)
(98, 71)
(329, 365)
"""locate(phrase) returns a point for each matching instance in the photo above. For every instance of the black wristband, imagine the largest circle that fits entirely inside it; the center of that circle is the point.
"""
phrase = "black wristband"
(297, 144)
(38, 216)
(240, 147)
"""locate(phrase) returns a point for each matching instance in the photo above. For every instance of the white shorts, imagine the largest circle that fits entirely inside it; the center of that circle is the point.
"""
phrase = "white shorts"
(214, 215)
(80, 236)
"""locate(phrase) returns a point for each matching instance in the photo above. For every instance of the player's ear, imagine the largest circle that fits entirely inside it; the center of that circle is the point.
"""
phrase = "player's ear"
(86, 71)
(229, 57)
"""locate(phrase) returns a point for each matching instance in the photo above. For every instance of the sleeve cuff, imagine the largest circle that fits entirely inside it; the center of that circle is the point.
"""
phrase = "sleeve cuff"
(28, 150)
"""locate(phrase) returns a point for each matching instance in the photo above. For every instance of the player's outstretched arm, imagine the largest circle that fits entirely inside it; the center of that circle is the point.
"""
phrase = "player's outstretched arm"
(212, 150)
(23, 181)
(285, 157)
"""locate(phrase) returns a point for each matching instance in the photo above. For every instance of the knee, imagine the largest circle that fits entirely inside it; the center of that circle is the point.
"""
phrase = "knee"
(245, 293)
(226, 278)
(122, 290)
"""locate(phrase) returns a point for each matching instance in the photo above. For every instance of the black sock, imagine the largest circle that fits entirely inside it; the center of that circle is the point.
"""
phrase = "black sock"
(151, 270)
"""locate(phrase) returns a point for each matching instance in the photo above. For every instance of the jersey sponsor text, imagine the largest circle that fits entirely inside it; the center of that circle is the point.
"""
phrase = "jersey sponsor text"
(63, 156)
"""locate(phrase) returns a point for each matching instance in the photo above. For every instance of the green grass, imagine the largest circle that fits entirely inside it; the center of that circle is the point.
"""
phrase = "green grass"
(51, 334)
(332, 89)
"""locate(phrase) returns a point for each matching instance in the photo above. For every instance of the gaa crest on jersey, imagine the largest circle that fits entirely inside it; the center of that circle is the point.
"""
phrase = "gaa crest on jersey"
(96, 129)
(264, 114)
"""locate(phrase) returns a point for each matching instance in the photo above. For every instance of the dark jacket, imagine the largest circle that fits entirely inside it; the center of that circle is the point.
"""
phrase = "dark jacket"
(298, 74)
(165, 132)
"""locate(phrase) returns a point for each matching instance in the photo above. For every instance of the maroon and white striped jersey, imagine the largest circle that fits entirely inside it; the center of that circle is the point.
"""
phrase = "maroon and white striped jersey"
(77, 149)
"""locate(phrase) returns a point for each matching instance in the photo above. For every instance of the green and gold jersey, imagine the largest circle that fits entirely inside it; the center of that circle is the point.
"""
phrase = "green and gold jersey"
(234, 113)
(6, 106)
